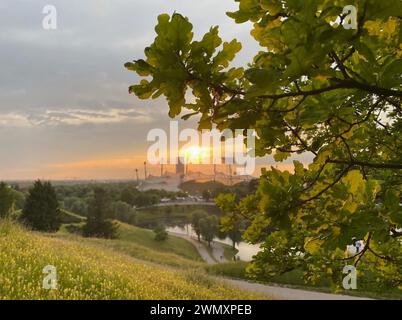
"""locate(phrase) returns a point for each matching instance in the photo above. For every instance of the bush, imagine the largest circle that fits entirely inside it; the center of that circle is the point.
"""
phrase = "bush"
(160, 233)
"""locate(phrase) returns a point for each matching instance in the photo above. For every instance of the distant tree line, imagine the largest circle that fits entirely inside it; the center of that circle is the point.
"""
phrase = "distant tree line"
(41, 210)
(123, 198)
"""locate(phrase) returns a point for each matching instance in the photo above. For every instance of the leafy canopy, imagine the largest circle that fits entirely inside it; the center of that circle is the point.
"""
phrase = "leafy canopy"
(314, 87)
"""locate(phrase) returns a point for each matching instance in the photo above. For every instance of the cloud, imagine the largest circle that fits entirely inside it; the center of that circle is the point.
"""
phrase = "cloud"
(13, 120)
(73, 117)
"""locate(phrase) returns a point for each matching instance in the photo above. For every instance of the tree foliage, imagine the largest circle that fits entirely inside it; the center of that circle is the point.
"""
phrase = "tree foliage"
(160, 233)
(75, 204)
(209, 228)
(314, 87)
(122, 211)
(196, 217)
(231, 225)
(99, 224)
(41, 211)
(6, 200)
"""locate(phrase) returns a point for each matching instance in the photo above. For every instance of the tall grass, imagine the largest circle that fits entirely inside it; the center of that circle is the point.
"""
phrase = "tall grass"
(86, 271)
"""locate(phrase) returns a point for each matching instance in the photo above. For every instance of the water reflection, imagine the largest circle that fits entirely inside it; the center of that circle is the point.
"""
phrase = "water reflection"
(246, 250)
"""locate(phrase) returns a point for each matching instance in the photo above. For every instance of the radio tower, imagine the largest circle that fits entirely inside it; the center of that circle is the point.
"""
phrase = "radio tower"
(145, 169)
(138, 179)
(230, 175)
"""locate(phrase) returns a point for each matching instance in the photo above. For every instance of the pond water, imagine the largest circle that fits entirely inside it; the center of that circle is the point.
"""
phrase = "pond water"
(246, 250)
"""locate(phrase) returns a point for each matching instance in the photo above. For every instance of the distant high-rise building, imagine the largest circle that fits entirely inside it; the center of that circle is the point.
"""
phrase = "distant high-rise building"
(180, 168)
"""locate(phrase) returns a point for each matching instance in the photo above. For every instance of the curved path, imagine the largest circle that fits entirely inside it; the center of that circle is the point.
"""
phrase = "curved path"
(217, 249)
(218, 252)
(202, 250)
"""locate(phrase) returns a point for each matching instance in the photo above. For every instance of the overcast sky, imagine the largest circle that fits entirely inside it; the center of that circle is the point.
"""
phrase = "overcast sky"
(65, 111)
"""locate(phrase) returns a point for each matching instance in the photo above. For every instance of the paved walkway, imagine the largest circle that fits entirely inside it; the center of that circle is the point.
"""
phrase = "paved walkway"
(281, 293)
(202, 250)
(218, 252)
(217, 249)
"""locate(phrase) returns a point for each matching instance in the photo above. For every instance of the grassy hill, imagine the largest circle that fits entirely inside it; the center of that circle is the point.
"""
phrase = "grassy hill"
(146, 238)
(140, 244)
(90, 271)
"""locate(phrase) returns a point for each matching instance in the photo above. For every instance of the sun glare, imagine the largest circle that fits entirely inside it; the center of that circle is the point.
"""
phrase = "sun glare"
(195, 154)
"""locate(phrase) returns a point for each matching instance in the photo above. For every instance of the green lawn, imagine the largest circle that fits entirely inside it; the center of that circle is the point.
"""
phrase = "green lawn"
(230, 269)
(143, 253)
(146, 238)
(141, 244)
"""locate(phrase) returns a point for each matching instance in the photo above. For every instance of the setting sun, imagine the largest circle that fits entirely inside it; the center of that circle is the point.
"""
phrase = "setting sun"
(195, 154)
